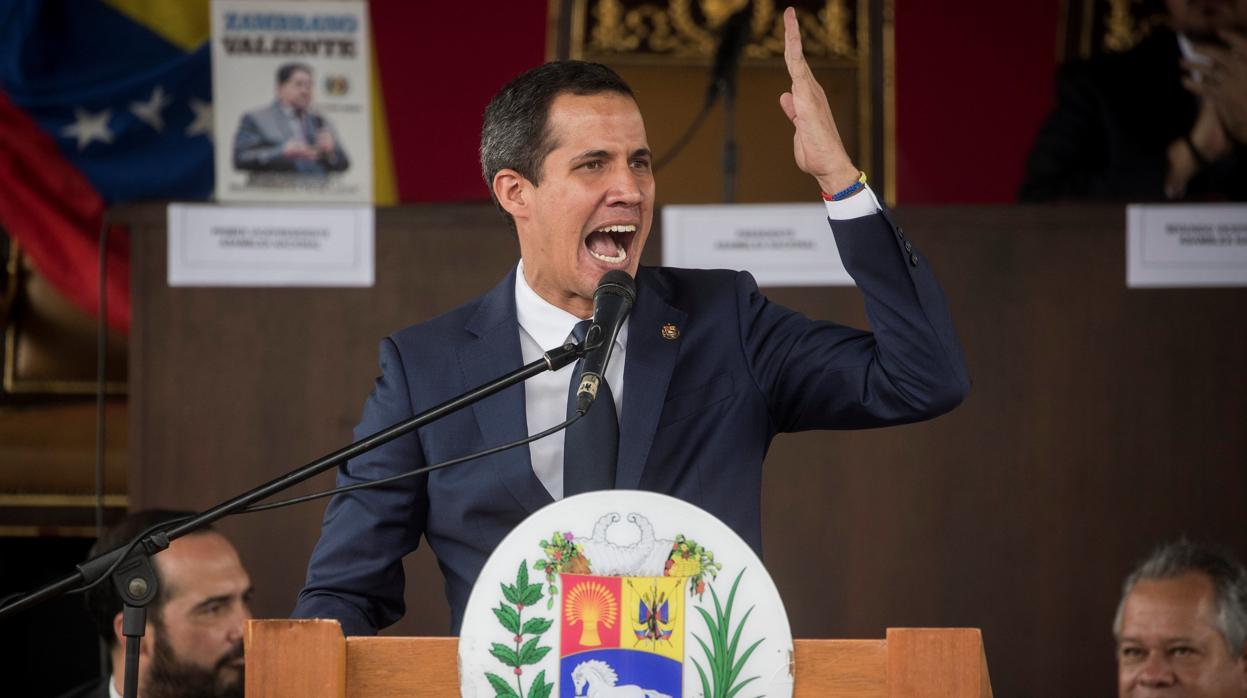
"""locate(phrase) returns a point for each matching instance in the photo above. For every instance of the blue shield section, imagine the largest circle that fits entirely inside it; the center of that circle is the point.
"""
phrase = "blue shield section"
(580, 673)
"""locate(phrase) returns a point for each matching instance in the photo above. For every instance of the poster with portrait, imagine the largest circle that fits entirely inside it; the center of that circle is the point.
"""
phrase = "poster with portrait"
(290, 81)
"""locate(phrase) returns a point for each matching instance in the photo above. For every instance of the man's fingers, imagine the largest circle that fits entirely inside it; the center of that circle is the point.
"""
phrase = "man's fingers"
(792, 36)
(790, 109)
(1212, 92)
(1195, 87)
(794, 57)
(1209, 73)
(1216, 54)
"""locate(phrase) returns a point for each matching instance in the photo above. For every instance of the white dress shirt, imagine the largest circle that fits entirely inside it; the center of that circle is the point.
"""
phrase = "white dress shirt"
(297, 125)
(544, 326)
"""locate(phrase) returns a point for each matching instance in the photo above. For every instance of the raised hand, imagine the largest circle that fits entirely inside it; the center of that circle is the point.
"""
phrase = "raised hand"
(816, 143)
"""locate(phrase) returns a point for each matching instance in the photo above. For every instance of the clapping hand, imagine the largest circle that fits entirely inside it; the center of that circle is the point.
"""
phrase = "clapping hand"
(1223, 86)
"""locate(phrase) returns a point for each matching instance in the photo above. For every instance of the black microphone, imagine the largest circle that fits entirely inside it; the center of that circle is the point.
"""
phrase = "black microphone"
(611, 303)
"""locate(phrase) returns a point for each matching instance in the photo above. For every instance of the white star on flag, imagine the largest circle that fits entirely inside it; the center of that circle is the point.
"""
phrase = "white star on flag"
(88, 127)
(149, 112)
(203, 119)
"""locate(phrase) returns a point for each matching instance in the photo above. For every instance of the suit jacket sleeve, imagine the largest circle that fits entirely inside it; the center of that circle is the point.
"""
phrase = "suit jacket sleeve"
(821, 375)
(356, 574)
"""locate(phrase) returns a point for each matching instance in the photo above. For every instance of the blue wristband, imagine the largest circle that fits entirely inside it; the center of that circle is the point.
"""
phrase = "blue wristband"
(848, 191)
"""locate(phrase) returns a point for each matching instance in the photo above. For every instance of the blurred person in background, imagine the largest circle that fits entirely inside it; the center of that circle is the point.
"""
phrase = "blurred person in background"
(192, 646)
(1181, 625)
(1166, 120)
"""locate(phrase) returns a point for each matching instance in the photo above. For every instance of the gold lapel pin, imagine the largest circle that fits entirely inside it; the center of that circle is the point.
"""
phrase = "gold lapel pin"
(670, 331)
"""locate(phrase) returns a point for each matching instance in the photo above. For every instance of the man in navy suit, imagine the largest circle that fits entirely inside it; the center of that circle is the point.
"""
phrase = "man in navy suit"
(705, 373)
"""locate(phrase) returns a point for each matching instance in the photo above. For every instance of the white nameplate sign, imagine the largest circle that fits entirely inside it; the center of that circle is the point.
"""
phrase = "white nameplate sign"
(265, 246)
(1186, 245)
(780, 244)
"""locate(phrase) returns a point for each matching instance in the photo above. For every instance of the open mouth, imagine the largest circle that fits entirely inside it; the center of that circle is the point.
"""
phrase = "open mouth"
(609, 244)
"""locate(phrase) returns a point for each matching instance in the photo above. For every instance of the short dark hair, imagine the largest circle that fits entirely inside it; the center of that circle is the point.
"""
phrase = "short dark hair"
(103, 602)
(288, 69)
(515, 134)
(1227, 574)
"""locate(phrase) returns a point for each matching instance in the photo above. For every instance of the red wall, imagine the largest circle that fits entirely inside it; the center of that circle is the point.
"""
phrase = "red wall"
(440, 62)
(973, 83)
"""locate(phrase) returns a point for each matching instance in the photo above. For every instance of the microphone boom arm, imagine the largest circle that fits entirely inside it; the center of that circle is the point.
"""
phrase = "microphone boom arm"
(91, 571)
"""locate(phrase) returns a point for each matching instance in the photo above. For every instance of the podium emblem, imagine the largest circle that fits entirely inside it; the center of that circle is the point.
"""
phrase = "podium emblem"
(622, 631)
(624, 594)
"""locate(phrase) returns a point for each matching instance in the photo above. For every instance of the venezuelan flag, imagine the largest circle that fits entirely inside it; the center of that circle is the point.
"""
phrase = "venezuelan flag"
(105, 102)
(109, 101)
(100, 102)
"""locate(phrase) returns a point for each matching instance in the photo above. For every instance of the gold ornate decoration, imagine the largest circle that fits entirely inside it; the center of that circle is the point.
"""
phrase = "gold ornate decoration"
(690, 28)
(1108, 26)
(57, 364)
(1120, 32)
(852, 39)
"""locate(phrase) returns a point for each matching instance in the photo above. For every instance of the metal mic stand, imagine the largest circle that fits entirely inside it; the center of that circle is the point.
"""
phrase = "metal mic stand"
(135, 578)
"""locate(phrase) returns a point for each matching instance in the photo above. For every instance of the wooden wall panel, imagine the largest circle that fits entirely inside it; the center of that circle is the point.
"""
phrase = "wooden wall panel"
(1102, 421)
(765, 169)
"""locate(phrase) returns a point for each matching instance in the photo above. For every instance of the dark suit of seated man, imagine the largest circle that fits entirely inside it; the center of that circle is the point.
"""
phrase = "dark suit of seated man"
(287, 136)
(706, 373)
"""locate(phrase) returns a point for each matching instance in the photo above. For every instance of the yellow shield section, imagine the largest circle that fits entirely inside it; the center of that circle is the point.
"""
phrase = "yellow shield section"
(653, 615)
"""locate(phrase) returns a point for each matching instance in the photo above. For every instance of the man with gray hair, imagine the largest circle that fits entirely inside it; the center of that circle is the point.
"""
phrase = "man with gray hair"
(1181, 625)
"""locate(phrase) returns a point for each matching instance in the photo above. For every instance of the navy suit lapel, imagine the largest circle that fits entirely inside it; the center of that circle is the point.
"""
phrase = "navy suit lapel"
(501, 418)
(647, 372)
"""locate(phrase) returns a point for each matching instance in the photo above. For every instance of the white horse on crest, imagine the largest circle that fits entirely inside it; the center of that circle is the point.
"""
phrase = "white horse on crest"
(601, 678)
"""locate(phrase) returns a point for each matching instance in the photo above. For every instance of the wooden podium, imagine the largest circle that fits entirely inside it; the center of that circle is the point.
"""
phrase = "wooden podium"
(312, 658)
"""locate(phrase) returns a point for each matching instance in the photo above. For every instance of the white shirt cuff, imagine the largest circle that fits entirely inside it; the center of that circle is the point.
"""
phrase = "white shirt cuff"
(863, 203)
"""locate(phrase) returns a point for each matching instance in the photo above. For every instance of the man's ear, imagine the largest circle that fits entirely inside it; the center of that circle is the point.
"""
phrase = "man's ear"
(121, 639)
(511, 189)
(144, 644)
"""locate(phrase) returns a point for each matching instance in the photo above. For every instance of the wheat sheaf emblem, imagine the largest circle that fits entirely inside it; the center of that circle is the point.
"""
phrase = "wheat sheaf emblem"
(590, 604)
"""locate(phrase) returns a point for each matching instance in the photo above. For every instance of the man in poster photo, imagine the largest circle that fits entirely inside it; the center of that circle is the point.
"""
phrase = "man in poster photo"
(287, 135)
